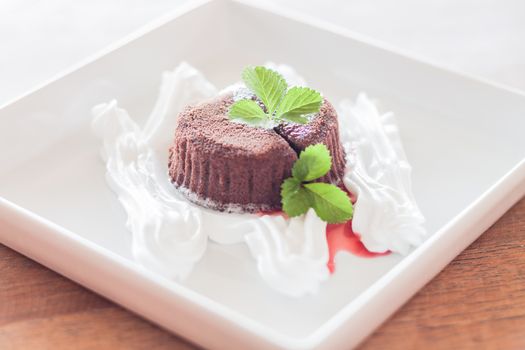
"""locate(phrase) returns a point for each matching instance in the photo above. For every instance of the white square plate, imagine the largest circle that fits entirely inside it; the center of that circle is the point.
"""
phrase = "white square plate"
(464, 138)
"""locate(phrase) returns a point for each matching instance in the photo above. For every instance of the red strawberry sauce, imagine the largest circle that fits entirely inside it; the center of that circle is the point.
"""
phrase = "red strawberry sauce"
(340, 237)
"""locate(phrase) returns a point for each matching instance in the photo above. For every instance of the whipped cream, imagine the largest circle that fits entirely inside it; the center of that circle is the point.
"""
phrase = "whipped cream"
(170, 234)
(292, 255)
(386, 214)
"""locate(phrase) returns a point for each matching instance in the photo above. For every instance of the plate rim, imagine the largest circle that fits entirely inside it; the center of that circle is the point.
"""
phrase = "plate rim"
(506, 190)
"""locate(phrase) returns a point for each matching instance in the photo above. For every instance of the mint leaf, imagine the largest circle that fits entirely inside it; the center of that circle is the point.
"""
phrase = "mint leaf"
(294, 197)
(267, 84)
(298, 102)
(330, 203)
(313, 163)
(248, 111)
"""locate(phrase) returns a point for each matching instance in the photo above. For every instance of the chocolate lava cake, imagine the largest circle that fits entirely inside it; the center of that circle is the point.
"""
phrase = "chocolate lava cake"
(234, 167)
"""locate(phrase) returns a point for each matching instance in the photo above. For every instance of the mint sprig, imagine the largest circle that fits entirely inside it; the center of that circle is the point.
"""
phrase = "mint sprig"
(293, 105)
(298, 193)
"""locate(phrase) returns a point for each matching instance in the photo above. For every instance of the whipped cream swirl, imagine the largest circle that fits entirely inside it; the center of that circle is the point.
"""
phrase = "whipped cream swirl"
(291, 254)
(386, 214)
(167, 232)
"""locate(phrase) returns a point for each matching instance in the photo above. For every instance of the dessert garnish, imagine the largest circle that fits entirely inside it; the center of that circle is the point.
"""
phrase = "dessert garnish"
(299, 192)
(280, 103)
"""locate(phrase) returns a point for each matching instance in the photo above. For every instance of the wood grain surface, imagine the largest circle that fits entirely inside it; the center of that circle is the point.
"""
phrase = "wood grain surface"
(477, 302)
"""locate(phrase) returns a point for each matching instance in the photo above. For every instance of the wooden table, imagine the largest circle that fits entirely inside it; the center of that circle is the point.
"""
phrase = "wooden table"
(477, 302)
